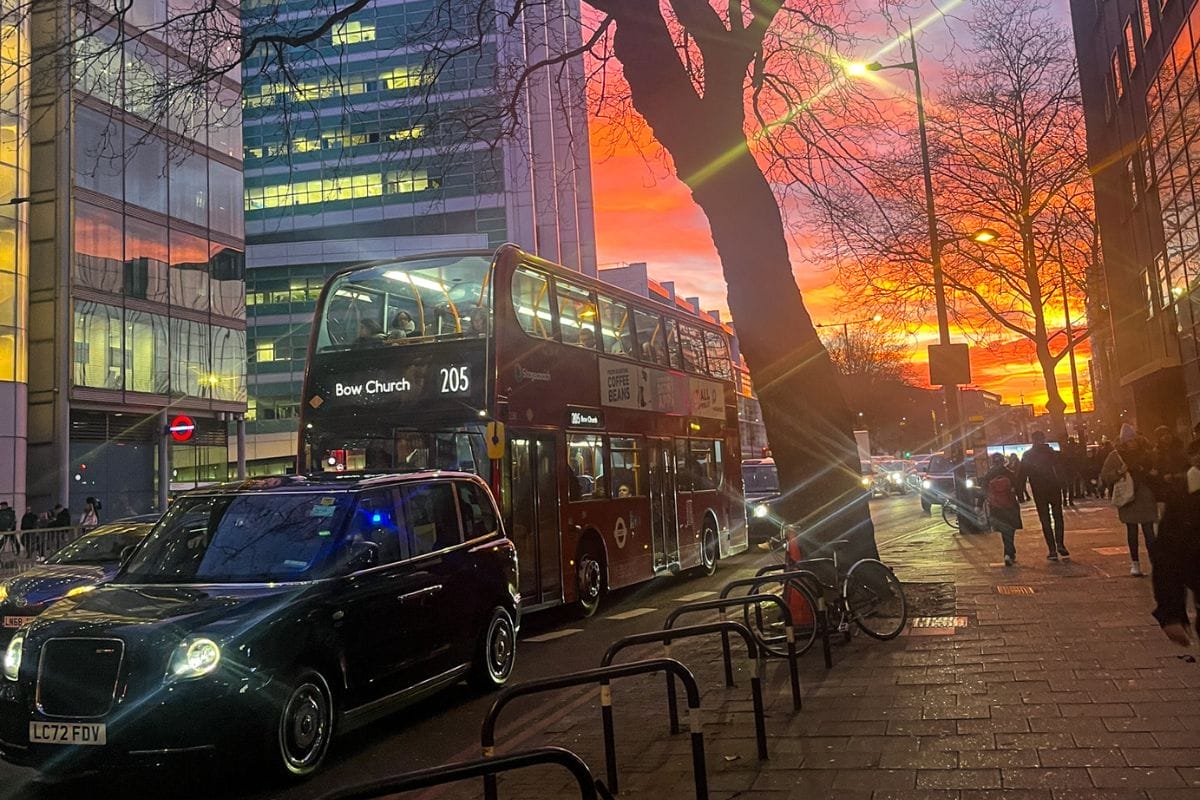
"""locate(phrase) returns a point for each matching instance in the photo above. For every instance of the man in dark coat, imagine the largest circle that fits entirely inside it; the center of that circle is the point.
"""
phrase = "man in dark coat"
(1041, 466)
(1000, 486)
(1177, 555)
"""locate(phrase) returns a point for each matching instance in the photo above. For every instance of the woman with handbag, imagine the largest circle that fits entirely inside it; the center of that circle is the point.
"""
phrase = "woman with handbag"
(1127, 470)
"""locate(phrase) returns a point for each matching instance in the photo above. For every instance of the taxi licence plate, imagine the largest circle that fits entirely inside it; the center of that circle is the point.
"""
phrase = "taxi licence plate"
(82, 733)
(17, 622)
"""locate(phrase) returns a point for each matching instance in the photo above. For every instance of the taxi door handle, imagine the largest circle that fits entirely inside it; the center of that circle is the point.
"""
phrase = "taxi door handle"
(420, 593)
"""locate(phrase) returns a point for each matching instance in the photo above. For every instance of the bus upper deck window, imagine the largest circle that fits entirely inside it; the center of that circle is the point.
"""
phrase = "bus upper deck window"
(531, 300)
(652, 337)
(576, 315)
(672, 329)
(616, 327)
(719, 365)
(692, 340)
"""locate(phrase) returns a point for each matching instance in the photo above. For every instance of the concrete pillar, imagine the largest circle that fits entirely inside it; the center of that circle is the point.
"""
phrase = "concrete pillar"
(164, 460)
(241, 447)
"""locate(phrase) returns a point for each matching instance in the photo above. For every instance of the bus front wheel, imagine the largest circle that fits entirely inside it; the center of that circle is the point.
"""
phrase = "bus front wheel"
(589, 582)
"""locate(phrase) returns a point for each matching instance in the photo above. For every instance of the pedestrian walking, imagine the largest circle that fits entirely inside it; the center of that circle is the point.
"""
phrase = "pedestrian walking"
(29, 522)
(1177, 556)
(1014, 466)
(88, 519)
(1041, 468)
(1003, 509)
(8, 528)
(1128, 470)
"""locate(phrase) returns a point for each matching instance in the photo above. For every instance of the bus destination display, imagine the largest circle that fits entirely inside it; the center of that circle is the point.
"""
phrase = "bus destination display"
(377, 378)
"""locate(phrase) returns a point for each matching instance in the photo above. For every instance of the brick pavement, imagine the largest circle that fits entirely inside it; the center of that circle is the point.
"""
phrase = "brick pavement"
(1067, 693)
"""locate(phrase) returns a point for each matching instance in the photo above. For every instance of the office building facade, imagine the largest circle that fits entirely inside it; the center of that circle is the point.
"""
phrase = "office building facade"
(363, 154)
(1138, 74)
(136, 311)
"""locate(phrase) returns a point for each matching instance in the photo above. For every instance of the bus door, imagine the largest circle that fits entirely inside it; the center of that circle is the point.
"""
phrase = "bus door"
(685, 502)
(663, 530)
(532, 508)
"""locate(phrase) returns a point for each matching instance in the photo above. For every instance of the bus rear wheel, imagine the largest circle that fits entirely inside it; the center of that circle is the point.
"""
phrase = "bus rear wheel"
(589, 582)
(710, 550)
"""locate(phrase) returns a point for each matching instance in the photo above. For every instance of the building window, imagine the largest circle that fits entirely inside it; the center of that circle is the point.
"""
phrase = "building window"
(1131, 179)
(405, 78)
(1130, 45)
(1117, 79)
(1147, 22)
(264, 352)
(355, 32)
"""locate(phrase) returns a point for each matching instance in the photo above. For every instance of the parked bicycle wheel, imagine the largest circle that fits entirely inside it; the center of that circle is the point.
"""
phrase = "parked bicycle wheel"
(766, 621)
(875, 599)
(950, 513)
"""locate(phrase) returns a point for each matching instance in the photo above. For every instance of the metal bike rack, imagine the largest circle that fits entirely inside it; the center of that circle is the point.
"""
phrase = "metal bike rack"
(775, 575)
(603, 676)
(745, 602)
(450, 773)
(666, 637)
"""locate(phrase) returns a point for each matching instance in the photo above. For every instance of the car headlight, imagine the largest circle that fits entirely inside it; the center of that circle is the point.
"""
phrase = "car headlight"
(3, 593)
(194, 658)
(969, 483)
(866, 481)
(926, 484)
(12, 657)
(761, 511)
(897, 477)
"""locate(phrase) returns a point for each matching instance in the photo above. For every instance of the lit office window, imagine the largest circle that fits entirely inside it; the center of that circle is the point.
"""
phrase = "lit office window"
(353, 32)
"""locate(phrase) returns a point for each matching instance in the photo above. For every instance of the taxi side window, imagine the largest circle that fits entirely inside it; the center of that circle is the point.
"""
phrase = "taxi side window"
(375, 521)
(432, 516)
(478, 515)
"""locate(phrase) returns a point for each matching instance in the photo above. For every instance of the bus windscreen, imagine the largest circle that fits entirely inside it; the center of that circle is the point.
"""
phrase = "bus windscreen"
(406, 302)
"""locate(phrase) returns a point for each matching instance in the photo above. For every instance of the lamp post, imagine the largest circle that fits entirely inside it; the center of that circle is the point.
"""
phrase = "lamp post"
(845, 326)
(1062, 276)
(984, 236)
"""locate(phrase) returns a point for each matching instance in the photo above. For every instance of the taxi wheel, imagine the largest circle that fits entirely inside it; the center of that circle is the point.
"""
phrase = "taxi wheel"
(495, 653)
(304, 727)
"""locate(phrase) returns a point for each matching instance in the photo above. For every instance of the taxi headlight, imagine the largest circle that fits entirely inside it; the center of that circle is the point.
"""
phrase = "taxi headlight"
(926, 484)
(866, 481)
(3, 593)
(194, 658)
(897, 477)
(12, 657)
(761, 511)
(969, 483)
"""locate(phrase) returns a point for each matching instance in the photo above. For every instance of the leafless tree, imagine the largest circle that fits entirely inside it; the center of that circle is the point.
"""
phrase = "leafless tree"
(1008, 153)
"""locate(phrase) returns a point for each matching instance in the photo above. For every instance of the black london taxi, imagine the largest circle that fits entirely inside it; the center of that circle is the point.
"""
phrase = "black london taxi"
(259, 618)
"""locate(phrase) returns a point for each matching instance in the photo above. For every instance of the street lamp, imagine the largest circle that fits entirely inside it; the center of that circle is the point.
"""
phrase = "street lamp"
(845, 326)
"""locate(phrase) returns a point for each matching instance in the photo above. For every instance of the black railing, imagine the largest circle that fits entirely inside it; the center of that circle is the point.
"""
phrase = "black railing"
(465, 770)
(794, 579)
(666, 637)
(745, 602)
(603, 676)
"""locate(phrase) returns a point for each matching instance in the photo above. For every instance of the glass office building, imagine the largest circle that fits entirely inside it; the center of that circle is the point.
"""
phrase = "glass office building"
(137, 310)
(362, 153)
(1138, 75)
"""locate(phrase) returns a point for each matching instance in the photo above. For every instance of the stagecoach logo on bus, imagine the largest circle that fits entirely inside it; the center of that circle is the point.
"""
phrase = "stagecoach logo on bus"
(530, 375)
(624, 385)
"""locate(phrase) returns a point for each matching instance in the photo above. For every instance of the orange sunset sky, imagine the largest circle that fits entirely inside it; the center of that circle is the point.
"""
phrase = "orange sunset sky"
(644, 213)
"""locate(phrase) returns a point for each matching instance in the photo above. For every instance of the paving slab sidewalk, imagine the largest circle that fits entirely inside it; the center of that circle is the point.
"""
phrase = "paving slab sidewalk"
(1064, 690)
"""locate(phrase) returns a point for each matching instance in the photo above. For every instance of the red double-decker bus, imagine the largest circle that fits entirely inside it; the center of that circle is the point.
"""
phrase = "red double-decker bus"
(606, 423)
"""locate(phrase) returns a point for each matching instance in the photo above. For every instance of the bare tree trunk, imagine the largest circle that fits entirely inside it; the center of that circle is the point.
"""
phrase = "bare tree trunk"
(807, 418)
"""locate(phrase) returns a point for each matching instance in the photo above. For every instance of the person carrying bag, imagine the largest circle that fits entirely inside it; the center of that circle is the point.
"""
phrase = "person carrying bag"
(1127, 470)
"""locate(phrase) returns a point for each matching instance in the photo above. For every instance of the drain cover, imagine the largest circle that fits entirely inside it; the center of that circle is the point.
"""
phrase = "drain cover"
(938, 622)
(1009, 589)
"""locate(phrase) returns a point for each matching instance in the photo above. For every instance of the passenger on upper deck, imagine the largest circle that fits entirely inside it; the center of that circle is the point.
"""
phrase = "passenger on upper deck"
(402, 326)
(370, 333)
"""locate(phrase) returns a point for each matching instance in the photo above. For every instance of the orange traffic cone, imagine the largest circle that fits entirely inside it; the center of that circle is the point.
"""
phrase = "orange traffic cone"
(802, 610)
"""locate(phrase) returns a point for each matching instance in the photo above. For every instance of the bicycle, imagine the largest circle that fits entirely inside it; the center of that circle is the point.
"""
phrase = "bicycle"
(868, 594)
(952, 512)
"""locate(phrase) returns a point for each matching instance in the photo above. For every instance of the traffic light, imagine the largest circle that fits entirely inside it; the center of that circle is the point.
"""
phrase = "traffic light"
(908, 453)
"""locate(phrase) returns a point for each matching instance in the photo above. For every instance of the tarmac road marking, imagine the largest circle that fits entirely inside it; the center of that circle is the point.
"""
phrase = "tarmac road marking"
(694, 596)
(1111, 551)
(552, 635)
(632, 614)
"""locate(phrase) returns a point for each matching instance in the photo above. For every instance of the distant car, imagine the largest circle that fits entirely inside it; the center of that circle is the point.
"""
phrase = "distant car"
(937, 483)
(86, 562)
(760, 482)
(891, 476)
(259, 618)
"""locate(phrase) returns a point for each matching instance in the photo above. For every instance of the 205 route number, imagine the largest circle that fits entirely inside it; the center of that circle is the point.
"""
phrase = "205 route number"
(455, 380)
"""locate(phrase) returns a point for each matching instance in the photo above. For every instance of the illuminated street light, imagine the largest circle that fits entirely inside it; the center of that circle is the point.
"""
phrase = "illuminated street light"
(985, 236)
(856, 69)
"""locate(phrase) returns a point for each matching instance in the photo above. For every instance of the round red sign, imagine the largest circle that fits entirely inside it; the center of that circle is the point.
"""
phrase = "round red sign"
(182, 428)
